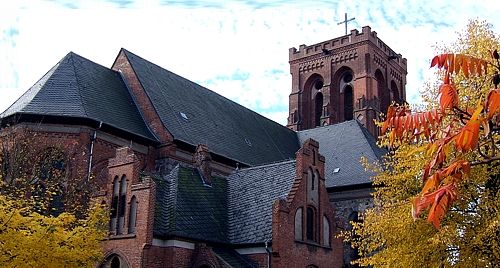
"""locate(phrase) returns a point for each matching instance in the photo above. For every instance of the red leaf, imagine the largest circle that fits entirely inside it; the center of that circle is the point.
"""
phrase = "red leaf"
(434, 61)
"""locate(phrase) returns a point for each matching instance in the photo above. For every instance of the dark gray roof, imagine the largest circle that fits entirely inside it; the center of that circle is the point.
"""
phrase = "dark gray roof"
(79, 88)
(252, 192)
(230, 258)
(187, 208)
(196, 115)
(343, 145)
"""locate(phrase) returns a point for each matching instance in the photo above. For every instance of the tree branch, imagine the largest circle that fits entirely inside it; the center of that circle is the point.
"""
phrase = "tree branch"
(485, 161)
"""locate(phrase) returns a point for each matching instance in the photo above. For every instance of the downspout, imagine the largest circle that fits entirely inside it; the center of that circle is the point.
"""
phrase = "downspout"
(92, 139)
(268, 254)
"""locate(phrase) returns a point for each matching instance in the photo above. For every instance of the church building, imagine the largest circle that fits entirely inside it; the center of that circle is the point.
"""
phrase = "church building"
(193, 179)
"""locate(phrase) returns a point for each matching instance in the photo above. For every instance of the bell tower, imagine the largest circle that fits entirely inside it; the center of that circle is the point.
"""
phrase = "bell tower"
(355, 76)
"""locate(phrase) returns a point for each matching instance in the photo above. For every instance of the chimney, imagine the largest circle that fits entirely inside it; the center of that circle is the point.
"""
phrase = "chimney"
(202, 160)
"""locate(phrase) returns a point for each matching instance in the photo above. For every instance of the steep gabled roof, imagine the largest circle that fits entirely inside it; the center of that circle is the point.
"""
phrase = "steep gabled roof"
(343, 145)
(79, 88)
(252, 192)
(196, 115)
(185, 207)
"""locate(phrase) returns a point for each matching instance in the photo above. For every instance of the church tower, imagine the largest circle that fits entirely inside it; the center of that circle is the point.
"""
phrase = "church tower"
(355, 76)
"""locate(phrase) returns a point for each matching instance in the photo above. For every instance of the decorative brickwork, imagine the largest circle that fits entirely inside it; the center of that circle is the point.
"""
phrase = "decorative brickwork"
(336, 81)
(130, 245)
(287, 250)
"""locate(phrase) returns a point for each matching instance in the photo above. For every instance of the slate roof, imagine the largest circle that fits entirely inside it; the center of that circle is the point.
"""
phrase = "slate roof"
(343, 145)
(230, 258)
(197, 115)
(252, 192)
(187, 208)
(79, 88)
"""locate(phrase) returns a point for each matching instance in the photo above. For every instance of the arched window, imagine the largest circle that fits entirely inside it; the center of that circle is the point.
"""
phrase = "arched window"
(348, 103)
(395, 93)
(326, 231)
(310, 224)
(114, 205)
(318, 109)
(382, 91)
(121, 205)
(118, 205)
(298, 224)
(114, 261)
(312, 186)
(132, 216)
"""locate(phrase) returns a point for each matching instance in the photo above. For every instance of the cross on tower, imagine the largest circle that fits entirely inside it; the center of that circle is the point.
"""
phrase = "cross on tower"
(346, 21)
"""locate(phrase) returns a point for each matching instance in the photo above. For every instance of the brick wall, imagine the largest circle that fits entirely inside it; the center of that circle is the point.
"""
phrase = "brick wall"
(360, 53)
(130, 245)
(287, 250)
(144, 104)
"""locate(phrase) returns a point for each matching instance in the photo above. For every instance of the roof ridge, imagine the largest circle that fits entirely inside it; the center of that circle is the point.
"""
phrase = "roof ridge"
(209, 90)
(329, 126)
(277, 163)
(71, 55)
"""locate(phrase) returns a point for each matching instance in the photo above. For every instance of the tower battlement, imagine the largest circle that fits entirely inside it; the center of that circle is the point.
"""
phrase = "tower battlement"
(354, 76)
(340, 43)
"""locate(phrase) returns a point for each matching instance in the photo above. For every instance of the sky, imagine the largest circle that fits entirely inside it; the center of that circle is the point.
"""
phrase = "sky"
(238, 49)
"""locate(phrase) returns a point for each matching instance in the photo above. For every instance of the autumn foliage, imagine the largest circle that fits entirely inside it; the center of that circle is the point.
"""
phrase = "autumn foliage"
(437, 191)
(46, 215)
(443, 172)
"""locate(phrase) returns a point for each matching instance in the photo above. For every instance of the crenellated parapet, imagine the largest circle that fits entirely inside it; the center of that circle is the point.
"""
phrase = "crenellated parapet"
(339, 44)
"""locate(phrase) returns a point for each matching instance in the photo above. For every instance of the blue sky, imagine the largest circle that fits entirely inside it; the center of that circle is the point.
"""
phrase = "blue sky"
(236, 48)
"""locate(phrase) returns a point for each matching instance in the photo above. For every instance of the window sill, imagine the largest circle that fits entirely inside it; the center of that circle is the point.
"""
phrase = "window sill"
(312, 243)
(121, 236)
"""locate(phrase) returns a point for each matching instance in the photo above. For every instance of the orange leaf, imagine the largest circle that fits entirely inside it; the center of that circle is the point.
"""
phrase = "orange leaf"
(449, 97)
(465, 66)
(493, 102)
(431, 183)
(450, 63)
(468, 137)
(453, 63)
(442, 60)
(443, 198)
(472, 65)
(439, 201)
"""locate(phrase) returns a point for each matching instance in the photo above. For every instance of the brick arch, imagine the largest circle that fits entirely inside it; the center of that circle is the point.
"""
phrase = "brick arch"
(312, 87)
(395, 92)
(204, 257)
(342, 94)
(111, 255)
(383, 94)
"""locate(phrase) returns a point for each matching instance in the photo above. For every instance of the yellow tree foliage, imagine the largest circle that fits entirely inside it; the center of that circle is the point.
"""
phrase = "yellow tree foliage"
(46, 217)
(437, 201)
(30, 239)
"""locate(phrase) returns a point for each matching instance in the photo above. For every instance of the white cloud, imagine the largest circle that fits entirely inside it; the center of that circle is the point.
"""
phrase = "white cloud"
(210, 45)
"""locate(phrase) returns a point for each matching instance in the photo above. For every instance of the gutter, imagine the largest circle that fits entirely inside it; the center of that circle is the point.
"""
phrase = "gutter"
(268, 254)
(91, 156)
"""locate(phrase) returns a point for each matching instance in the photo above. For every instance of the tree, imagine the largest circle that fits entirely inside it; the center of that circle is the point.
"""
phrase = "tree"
(442, 166)
(30, 239)
(44, 171)
(46, 216)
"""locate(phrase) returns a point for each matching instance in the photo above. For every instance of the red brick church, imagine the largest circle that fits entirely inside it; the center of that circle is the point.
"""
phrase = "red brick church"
(193, 179)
